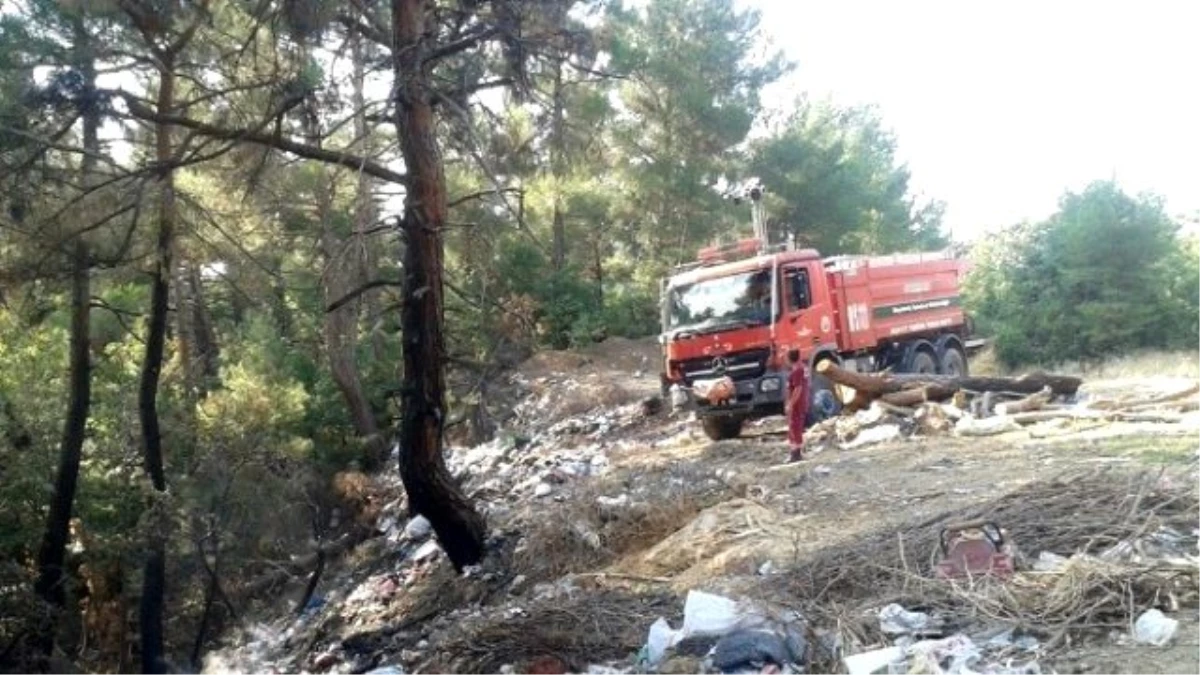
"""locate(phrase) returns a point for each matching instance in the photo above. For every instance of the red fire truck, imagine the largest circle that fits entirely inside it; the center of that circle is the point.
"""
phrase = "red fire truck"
(734, 314)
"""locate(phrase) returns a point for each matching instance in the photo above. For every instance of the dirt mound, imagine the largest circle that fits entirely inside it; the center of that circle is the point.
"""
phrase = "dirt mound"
(731, 537)
(614, 354)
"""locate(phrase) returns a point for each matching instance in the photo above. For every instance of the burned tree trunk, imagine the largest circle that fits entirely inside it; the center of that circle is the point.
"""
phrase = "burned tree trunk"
(557, 162)
(52, 552)
(150, 614)
(431, 490)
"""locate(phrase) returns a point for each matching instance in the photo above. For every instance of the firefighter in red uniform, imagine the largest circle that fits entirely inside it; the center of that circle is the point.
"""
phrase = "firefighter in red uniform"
(797, 404)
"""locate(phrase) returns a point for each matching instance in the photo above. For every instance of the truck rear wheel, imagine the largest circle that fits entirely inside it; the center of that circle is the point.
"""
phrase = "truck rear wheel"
(722, 427)
(954, 363)
(923, 364)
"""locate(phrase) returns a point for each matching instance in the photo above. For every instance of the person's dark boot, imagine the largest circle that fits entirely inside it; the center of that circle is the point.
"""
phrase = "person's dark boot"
(796, 455)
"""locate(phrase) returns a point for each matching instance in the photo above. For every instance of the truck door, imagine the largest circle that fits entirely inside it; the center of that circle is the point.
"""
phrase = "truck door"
(808, 319)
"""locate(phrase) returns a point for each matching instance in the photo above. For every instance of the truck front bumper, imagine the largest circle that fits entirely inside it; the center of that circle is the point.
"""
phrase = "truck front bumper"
(754, 397)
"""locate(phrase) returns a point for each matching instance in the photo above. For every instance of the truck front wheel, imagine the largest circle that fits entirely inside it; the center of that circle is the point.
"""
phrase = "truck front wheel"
(722, 427)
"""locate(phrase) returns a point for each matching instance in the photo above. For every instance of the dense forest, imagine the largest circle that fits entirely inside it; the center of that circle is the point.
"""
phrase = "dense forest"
(248, 247)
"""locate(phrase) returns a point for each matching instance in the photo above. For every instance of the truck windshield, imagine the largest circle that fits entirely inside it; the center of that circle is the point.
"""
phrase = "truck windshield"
(738, 298)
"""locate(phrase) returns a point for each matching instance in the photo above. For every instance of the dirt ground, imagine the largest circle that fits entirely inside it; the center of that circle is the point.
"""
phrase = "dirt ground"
(604, 518)
(838, 495)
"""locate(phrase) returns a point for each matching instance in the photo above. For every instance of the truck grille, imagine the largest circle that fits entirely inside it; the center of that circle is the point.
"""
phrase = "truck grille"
(739, 366)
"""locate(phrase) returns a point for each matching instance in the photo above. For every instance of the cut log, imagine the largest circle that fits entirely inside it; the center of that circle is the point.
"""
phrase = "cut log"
(1157, 417)
(951, 410)
(1035, 416)
(943, 387)
(969, 426)
(1029, 403)
(914, 397)
(893, 409)
(933, 420)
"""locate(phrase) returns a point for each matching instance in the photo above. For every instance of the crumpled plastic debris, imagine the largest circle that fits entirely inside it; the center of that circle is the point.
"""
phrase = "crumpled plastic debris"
(895, 620)
(418, 528)
(957, 654)
(755, 647)
(386, 670)
(710, 615)
(1154, 628)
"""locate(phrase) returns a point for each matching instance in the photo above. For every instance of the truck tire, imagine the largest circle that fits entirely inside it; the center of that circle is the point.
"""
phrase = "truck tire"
(954, 362)
(722, 427)
(923, 363)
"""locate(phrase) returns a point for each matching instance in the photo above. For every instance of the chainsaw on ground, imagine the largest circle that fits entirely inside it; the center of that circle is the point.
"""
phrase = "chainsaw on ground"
(974, 549)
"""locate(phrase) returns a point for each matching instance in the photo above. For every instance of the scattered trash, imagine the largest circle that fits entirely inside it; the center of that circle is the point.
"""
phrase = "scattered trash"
(427, 551)
(954, 655)
(542, 490)
(708, 614)
(1154, 628)
(738, 634)
(1049, 562)
(418, 528)
(386, 670)
(895, 620)
(879, 434)
(753, 648)
(875, 661)
(661, 638)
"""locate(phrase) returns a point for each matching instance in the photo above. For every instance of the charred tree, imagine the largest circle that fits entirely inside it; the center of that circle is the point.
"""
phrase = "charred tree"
(558, 169)
(150, 611)
(52, 552)
(431, 490)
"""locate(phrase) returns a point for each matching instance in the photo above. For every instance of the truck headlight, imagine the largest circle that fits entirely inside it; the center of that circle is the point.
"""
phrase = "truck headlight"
(769, 384)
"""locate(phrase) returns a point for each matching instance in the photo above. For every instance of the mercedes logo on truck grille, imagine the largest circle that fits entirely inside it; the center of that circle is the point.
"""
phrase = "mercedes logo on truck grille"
(719, 364)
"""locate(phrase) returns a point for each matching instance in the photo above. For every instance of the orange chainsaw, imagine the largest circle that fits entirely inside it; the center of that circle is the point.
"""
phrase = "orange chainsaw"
(975, 548)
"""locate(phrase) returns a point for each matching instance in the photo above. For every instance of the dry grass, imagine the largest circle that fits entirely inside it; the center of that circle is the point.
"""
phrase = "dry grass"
(592, 628)
(1139, 364)
(1146, 363)
(1072, 514)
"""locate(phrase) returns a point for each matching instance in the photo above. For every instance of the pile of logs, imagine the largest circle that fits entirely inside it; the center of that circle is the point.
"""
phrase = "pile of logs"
(980, 406)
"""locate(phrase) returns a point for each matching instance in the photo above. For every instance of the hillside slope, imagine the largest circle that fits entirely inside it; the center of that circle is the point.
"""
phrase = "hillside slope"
(604, 519)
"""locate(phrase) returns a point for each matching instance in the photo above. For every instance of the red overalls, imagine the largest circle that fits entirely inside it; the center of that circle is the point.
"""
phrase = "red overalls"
(797, 406)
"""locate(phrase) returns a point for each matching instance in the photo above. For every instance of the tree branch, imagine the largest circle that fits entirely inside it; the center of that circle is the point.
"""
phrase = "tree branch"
(462, 44)
(349, 297)
(482, 193)
(304, 150)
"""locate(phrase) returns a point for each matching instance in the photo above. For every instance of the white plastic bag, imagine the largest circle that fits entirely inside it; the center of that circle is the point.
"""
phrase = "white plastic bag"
(662, 637)
(708, 614)
(1154, 628)
(896, 620)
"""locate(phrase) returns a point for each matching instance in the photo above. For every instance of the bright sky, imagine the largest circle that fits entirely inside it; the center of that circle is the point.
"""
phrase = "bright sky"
(1000, 107)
